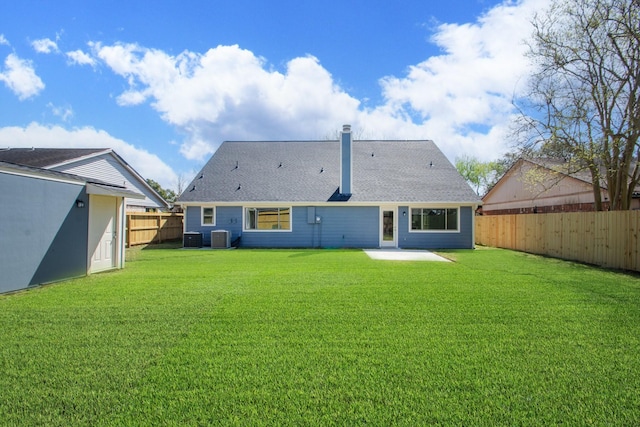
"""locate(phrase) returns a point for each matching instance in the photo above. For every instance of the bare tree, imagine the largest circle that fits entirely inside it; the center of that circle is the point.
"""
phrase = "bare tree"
(583, 95)
(181, 183)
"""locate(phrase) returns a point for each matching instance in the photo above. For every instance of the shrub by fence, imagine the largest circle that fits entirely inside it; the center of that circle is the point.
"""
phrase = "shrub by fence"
(152, 227)
(608, 239)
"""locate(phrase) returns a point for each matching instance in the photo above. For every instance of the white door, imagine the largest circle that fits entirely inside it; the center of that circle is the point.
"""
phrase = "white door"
(388, 228)
(102, 232)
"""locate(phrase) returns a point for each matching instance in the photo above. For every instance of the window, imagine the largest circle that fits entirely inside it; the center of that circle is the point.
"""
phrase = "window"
(208, 216)
(267, 219)
(427, 219)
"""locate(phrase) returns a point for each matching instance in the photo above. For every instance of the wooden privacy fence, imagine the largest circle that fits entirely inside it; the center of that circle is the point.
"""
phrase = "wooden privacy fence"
(152, 227)
(608, 239)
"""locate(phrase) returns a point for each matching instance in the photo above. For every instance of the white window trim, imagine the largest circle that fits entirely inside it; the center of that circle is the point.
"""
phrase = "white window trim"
(411, 230)
(202, 223)
(250, 230)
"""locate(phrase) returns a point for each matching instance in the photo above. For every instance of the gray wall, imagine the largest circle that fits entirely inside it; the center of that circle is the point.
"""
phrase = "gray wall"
(339, 227)
(43, 235)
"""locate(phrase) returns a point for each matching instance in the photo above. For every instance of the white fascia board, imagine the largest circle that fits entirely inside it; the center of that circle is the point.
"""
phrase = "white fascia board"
(443, 204)
(325, 203)
(104, 190)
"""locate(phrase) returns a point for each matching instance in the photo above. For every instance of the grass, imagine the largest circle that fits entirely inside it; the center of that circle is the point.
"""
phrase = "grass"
(324, 337)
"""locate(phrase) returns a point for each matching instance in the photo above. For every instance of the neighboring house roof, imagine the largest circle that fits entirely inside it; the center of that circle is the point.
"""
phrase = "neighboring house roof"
(542, 182)
(309, 172)
(562, 168)
(86, 162)
(94, 186)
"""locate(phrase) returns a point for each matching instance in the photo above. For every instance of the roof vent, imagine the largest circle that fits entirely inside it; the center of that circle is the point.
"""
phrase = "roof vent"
(346, 128)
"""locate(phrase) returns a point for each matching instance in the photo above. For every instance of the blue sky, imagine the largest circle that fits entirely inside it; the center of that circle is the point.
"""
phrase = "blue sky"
(164, 83)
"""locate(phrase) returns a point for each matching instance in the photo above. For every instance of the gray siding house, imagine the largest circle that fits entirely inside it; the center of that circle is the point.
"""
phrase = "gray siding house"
(56, 226)
(332, 194)
(103, 164)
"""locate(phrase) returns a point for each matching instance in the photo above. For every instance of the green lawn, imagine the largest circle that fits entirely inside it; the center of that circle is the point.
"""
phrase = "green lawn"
(324, 337)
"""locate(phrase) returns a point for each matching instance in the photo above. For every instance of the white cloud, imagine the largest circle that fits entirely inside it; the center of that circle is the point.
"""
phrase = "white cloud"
(4, 41)
(20, 76)
(36, 135)
(226, 93)
(65, 112)
(471, 84)
(79, 57)
(460, 98)
(45, 45)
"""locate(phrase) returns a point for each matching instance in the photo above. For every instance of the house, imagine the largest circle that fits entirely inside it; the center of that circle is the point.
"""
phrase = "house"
(543, 186)
(56, 226)
(103, 164)
(343, 194)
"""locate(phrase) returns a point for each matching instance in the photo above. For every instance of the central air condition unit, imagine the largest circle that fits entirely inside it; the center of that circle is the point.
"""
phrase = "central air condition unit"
(220, 239)
(192, 239)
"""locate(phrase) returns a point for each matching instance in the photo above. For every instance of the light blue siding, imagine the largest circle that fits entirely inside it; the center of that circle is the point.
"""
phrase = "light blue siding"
(344, 226)
(227, 218)
(433, 240)
(338, 227)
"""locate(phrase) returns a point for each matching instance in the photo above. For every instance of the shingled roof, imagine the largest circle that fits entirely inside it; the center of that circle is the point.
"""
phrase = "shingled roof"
(309, 172)
(45, 157)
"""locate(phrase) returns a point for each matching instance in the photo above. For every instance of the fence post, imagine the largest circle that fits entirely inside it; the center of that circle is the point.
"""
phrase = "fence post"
(128, 223)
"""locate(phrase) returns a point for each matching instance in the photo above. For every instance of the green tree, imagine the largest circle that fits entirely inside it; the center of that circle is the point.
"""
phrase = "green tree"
(480, 175)
(169, 195)
(583, 102)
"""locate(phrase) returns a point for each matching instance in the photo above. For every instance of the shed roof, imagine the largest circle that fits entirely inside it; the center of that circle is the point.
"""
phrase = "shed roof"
(46, 157)
(60, 158)
(309, 171)
(94, 186)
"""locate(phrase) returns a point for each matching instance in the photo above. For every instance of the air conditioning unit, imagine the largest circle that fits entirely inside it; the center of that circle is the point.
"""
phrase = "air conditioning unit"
(220, 239)
(192, 239)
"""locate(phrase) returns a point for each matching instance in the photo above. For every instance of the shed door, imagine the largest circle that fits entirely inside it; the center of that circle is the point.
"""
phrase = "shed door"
(102, 232)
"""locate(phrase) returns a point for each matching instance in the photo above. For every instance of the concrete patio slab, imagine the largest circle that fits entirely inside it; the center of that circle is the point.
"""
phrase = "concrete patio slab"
(404, 255)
